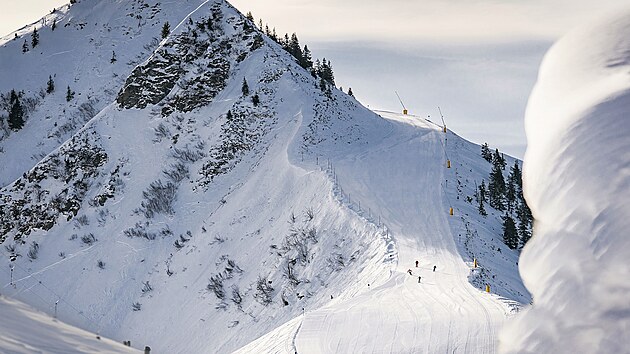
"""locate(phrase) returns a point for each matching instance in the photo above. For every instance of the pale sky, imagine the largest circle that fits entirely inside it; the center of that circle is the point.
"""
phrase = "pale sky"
(477, 59)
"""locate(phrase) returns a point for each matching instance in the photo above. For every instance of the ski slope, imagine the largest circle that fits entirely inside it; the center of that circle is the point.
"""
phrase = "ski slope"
(401, 178)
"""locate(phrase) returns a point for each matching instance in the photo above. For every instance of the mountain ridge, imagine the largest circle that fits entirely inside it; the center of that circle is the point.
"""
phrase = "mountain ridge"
(243, 219)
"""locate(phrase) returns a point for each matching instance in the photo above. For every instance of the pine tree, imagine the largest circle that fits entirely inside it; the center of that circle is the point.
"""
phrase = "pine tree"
(496, 187)
(69, 94)
(255, 99)
(16, 112)
(54, 25)
(499, 158)
(245, 88)
(166, 29)
(113, 59)
(350, 93)
(307, 59)
(483, 191)
(25, 47)
(50, 86)
(322, 84)
(250, 16)
(34, 38)
(326, 72)
(295, 50)
(485, 152)
(510, 235)
(481, 208)
(517, 177)
(510, 193)
(481, 198)
(524, 216)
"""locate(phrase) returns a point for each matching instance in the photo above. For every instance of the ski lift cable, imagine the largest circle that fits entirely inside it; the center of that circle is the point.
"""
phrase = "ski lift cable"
(39, 281)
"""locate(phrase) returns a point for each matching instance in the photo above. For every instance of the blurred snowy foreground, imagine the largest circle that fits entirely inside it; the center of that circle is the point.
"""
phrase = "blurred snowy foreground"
(24, 330)
(577, 183)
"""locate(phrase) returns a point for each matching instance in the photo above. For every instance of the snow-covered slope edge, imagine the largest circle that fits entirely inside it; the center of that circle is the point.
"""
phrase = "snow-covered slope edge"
(577, 181)
(24, 331)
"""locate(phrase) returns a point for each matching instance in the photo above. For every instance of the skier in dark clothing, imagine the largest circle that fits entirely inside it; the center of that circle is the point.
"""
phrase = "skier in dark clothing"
(409, 271)
(416, 264)
(434, 268)
(419, 277)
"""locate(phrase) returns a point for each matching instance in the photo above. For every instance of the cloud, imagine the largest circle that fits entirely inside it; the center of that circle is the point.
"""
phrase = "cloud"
(426, 20)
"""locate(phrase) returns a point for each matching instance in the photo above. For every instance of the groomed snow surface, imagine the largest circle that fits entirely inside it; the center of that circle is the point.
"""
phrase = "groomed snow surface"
(26, 331)
(577, 183)
(402, 178)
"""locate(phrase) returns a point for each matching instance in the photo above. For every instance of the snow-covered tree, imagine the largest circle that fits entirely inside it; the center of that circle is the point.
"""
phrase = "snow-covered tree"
(16, 112)
(34, 38)
(510, 234)
(496, 186)
(50, 85)
(166, 29)
(245, 88)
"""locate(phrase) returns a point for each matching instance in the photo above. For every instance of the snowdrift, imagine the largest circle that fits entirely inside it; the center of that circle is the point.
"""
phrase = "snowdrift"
(577, 182)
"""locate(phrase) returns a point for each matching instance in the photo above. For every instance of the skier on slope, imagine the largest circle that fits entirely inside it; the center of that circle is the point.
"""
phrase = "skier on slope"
(416, 264)
(409, 271)
(419, 277)
(434, 268)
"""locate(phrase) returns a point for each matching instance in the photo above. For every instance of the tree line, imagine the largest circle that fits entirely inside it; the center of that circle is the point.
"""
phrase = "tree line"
(506, 196)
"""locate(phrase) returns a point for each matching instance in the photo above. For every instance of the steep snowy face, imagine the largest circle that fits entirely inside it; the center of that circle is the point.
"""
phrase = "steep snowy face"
(189, 205)
(88, 49)
(577, 182)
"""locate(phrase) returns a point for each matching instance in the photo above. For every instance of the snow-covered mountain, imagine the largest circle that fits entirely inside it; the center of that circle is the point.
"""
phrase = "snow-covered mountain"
(166, 205)
(578, 182)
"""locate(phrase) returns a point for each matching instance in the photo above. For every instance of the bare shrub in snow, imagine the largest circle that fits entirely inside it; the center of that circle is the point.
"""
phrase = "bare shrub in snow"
(289, 272)
(101, 217)
(309, 214)
(177, 172)
(10, 248)
(188, 154)
(179, 244)
(33, 251)
(232, 268)
(139, 230)
(237, 298)
(292, 218)
(161, 132)
(82, 220)
(215, 284)
(100, 264)
(136, 306)
(146, 287)
(264, 291)
(159, 199)
(88, 239)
